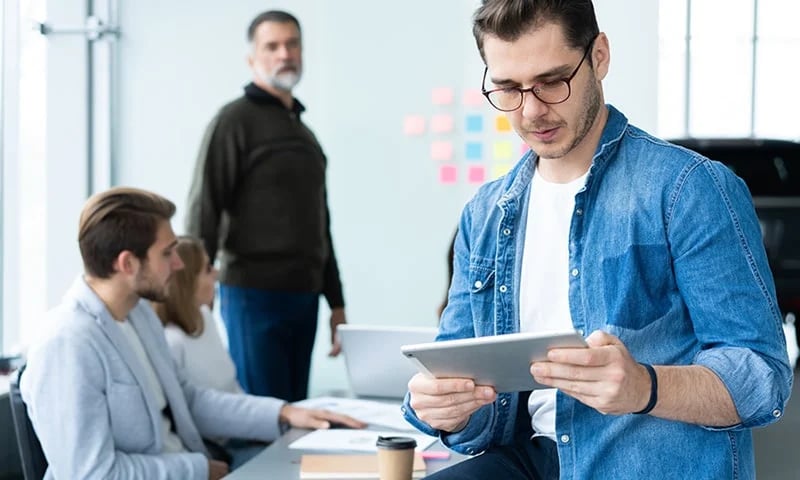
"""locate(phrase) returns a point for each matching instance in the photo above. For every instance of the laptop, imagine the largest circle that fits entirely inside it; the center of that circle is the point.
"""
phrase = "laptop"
(375, 365)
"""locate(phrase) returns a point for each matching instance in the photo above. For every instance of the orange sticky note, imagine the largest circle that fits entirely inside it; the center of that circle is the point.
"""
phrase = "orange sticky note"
(448, 174)
(413, 125)
(502, 124)
(476, 174)
(442, 96)
(442, 123)
(442, 150)
(473, 97)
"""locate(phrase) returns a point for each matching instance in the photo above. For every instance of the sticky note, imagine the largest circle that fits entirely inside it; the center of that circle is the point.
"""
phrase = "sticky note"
(448, 174)
(442, 96)
(441, 151)
(503, 150)
(476, 174)
(500, 170)
(502, 124)
(523, 149)
(474, 151)
(474, 123)
(413, 125)
(442, 123)
(473, 97)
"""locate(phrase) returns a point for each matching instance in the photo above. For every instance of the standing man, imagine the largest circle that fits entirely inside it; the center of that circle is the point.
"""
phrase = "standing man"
(654, 253)
(102, 390)
(259, 190)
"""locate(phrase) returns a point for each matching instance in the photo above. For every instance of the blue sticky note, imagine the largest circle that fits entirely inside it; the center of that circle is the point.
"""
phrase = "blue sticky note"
(474, 151)
(474, 123)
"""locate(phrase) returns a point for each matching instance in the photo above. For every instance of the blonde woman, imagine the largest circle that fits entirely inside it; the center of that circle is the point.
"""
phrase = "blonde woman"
(197, 348)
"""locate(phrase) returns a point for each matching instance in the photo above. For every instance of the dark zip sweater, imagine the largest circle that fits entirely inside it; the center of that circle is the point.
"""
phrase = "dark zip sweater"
(258, 199)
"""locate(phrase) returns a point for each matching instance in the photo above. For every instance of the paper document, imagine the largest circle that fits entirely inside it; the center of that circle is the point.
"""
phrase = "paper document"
(377, 414)
(342, 439)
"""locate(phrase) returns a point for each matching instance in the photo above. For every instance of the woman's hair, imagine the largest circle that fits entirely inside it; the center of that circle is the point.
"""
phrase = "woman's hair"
(180, 308)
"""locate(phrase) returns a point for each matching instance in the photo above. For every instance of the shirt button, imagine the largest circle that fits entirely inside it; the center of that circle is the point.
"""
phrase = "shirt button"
(574, 272)
(503, 289)
(403, 409)
(478, 284)
(580, 331)
(776, 413)
(565, 438)
(470, 451)
(579, 212)
(504, 402)
(507, 231)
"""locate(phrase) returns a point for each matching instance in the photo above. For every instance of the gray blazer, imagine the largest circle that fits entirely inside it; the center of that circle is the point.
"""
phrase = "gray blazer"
(87, 398)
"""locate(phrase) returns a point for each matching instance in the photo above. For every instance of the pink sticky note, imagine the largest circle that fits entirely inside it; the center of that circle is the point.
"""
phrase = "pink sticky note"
(413, 125)
(523, 149)
(476, 174)
(442, 123)
(441, 151)
(442, 96)
(473, 97)
(448, 174)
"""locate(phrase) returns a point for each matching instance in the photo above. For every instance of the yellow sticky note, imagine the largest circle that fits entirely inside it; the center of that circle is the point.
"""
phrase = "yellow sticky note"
(500, 170)
(502, 124)
(503, 151)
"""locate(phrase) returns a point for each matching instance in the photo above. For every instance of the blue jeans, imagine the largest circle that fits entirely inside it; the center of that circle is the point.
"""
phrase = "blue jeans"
(270, 338)
(525, 459)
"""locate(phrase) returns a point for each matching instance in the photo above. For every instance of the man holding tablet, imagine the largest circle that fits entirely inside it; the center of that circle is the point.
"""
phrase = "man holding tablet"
(652, 252)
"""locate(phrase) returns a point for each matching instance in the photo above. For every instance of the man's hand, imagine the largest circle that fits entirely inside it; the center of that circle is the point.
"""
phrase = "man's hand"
(603, 376)
(446, 404)
(217, 469)
(316, 419)
(337, 318)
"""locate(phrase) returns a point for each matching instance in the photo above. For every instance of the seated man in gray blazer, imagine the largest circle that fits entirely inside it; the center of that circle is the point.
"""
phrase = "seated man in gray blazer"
(102, 390)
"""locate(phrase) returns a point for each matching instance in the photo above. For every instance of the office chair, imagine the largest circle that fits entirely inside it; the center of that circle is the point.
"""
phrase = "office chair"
(34, 463)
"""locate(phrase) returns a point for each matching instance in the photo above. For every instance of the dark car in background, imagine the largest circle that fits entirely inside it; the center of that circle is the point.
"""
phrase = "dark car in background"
(771, 170)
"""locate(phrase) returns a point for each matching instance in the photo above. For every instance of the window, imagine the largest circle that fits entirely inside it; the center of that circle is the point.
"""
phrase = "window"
(23, 157)
(730, 78)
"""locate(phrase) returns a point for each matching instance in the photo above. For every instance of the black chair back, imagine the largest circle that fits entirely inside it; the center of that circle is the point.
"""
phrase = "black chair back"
(34, 463)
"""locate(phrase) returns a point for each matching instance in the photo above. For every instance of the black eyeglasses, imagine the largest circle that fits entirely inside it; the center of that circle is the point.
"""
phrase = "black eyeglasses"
(508, 99)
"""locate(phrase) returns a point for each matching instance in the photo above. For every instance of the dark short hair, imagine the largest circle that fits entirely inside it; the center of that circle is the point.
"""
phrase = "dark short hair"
(116, 220)
(510, 19)
(278, 16)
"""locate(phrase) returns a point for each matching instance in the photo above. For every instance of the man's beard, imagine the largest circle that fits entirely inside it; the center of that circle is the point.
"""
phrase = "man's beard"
(146, 289)
(284, 80)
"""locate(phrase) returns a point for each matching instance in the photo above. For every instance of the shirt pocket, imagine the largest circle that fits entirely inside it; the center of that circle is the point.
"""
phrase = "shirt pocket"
(131, 424)
(481, 289)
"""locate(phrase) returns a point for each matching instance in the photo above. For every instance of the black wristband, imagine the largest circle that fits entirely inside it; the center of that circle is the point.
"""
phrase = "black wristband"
(653, 390)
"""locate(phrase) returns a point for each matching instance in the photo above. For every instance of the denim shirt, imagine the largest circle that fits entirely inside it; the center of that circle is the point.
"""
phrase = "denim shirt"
(666, 253)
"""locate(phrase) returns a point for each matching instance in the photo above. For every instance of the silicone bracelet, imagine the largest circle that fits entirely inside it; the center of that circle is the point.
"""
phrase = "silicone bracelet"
(653, 390)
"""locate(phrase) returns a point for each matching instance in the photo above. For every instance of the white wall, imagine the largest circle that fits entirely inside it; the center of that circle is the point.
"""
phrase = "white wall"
(392, 220)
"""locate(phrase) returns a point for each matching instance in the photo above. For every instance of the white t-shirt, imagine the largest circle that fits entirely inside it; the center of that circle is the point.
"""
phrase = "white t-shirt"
(172, 443)
(544, 283)
(204, 358)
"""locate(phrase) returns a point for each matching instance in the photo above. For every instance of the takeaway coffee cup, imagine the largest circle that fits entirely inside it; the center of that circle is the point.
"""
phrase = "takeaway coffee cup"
(395, 457)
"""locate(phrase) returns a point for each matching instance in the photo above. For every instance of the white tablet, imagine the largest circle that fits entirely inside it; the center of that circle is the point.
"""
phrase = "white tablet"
(502, 361)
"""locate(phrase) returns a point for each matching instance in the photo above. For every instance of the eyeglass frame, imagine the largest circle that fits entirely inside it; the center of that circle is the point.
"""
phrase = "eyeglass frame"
(532, 89)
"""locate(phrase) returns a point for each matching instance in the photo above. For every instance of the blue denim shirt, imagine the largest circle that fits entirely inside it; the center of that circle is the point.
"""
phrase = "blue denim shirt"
(666, 253)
